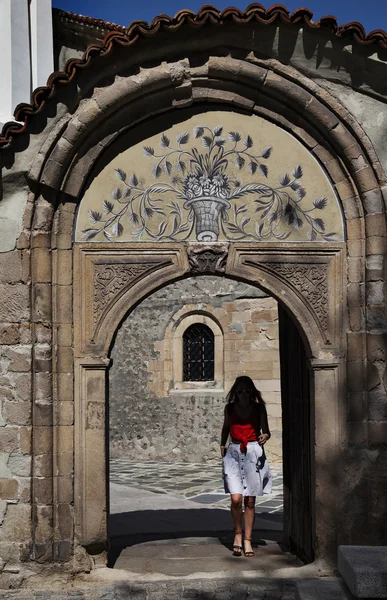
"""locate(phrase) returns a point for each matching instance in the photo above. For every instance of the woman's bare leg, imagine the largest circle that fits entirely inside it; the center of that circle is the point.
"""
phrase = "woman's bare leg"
(236, 513)
(249, 502)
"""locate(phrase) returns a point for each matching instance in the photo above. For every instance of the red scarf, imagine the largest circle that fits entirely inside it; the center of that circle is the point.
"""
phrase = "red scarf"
(244, 430)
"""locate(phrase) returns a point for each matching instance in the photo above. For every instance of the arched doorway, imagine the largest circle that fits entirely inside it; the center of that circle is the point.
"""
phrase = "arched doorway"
(308, 277)
(130, 245)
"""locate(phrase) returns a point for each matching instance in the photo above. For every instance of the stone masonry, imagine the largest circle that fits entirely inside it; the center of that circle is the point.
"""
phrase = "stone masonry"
(150, 418)
(324, 86)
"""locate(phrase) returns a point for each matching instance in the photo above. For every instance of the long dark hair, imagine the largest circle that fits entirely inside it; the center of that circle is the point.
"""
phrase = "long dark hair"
(232, 396)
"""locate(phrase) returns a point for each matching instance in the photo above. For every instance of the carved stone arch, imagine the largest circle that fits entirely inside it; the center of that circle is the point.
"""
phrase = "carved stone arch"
(254, 86)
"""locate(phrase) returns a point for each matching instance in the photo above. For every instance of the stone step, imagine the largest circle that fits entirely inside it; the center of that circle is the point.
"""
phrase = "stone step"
(322, 588)
(364, 570)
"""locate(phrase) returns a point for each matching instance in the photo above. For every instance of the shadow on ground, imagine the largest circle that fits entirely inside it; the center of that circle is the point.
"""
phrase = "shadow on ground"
(183, 541)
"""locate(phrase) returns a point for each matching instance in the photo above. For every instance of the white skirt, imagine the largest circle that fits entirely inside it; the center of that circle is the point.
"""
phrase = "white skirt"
(247, 474)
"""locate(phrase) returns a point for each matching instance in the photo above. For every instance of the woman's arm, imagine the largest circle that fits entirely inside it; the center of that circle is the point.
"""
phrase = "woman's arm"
(265, 435)
(225, 431)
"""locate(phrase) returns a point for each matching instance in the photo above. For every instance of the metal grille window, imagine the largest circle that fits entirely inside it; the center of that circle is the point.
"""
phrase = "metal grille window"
(198, 353)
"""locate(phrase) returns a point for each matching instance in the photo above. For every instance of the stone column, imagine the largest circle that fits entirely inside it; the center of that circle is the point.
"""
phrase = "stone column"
(90, 454)
(328, 416)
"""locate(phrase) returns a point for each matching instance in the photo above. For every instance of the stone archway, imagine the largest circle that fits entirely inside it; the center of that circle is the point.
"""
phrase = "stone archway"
(62, 170)
(119, 277)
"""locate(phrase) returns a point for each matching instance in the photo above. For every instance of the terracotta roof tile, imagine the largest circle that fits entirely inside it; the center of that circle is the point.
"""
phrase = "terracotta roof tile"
(118, 34)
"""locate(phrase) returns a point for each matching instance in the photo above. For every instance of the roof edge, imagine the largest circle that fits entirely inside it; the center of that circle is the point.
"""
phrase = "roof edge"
(207, 13)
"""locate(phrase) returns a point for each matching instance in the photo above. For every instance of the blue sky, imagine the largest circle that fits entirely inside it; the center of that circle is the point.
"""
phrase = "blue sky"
(372, 14)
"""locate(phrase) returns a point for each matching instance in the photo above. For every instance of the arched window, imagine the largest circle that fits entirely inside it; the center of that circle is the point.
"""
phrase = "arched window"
(198, 353)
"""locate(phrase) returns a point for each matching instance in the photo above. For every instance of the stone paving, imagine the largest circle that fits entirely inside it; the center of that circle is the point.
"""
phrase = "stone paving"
(207, 589)
(201, 483)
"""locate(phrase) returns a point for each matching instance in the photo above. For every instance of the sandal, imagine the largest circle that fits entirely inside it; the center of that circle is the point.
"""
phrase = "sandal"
(249, 553)
(237, 550)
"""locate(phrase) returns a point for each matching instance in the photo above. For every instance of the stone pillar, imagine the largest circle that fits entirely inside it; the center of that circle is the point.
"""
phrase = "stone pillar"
(90, 454)
(327, 436)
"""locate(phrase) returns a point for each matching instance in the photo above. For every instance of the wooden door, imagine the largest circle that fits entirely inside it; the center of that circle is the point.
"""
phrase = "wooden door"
(297, 446)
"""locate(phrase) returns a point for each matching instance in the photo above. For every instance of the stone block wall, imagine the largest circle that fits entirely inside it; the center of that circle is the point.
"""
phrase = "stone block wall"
(15, 414)
(151, 417)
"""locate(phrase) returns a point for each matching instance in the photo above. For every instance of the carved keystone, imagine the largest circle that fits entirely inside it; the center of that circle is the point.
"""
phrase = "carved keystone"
(207, 258)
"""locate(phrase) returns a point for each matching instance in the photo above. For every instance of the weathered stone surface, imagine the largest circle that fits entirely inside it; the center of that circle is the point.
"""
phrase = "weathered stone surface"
(18, 358)
(20, 465)
(9, 439)
(9, 334)
(18, 413)
(364, 570)
(8, 489)
(14, 303)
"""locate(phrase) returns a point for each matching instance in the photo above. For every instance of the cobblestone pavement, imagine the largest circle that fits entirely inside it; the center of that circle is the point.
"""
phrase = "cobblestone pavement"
(201, 483)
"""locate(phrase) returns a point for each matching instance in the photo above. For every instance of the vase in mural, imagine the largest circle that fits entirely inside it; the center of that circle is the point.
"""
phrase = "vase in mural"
(197, 195)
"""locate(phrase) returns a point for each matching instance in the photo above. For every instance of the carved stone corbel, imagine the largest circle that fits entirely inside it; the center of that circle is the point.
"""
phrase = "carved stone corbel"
(208, 258)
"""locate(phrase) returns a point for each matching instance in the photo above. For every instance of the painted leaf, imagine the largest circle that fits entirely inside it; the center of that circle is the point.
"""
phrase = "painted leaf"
(239, 161)
(88, 234)
(320, 203)
(182, 138)
(233, 228)
(241, 209)
(95, 216)
(148, 151)
(117, 229)
(127, 192)
(107, 206)
(156, 171)
(164, 141)
(162, 228)
(252, 166)
(331, 236)
(134, 218)
(284, 180)
(295, 185)
(248, 142)
(266, 152)
(245, 221)
(218, 130)
(220, 142)
(133, 181)
(168, 167)
(207, 141)
(301, 193)
(264, 170)
(116, 193)
(297, 172)
(120, 174)
(234, 136)
(312, 235)
(198, 131)
(149, 212)
(108, 236)
(181, 166)
(320, 225)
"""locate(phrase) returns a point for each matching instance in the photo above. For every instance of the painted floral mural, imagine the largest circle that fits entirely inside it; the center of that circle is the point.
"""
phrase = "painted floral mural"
(209, 183)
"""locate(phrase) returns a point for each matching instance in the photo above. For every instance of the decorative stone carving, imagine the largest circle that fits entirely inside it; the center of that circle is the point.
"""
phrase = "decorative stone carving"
(208, 258)
(111, 279)
(310, 280)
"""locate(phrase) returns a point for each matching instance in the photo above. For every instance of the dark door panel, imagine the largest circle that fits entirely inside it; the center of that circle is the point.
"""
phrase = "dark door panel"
(296, 427)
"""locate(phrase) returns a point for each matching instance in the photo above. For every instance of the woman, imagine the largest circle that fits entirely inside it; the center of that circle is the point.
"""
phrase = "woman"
(246, 472)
